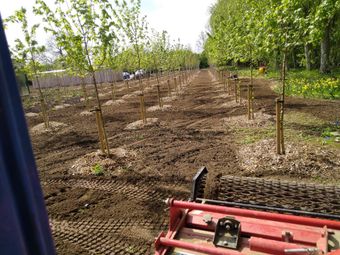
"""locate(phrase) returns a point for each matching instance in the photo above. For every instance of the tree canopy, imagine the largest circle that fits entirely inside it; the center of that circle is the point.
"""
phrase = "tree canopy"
(98, 34)
(246, 30)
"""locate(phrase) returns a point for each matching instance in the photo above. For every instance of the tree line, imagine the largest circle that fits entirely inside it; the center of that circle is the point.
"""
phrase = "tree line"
(84, 36)
(304, 32)
(90, 35)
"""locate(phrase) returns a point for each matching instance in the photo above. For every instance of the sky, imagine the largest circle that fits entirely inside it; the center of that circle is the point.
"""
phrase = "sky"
(183, 19)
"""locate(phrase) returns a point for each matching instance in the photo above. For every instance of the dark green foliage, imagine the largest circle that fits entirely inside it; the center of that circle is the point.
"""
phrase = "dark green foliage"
(308, 31)
(203, 61)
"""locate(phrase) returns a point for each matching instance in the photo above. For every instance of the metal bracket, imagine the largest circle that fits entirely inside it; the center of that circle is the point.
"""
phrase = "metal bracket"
(198, 183)
(227, 233)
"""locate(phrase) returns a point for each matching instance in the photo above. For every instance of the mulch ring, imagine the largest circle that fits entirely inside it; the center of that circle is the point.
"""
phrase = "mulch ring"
(97, 163)
(300, 160)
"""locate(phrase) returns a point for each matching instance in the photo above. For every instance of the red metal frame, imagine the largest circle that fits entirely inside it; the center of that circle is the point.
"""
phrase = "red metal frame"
(268, 233)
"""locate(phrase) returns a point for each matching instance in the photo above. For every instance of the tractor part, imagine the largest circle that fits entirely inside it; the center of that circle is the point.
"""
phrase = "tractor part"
(198, 184)
(272, 195)
(227, 233)
(193, 228)
(264, 221)
(291, 198)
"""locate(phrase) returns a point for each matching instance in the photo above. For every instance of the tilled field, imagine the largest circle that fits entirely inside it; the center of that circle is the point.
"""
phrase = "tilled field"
(122, 211)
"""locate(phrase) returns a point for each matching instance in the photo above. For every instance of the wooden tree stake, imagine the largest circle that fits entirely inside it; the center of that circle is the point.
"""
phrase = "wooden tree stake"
(43, 105)
(169, 88)
(113, 90)
(176, 86)
(85, 93)
(100, 131)
(239, 91)
(279, 126)
(127, 86)
(106, 142)
(160, 104)
(250, 102)
(180, 82)
(44, 112)
(235, 90)
(251, 96)
(228, 86)
(141, 87)
(142, 108)
(100, 123)
(225, 86)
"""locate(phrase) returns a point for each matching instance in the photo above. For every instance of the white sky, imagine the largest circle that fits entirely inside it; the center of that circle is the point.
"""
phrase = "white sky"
(184, 19)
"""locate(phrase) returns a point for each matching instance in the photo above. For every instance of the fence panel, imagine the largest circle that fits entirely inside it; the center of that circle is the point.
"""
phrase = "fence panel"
(52, 80)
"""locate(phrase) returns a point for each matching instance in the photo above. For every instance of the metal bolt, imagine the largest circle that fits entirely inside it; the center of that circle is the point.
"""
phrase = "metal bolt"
(207, 218)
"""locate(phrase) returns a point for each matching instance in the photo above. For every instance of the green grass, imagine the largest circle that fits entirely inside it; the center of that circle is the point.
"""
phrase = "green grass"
(98, 169)
(304, 74)
(298, 127)
(300, 82)
(253, 135)
(323, 88)
(292, 73)
(131, 250)
(308, 128)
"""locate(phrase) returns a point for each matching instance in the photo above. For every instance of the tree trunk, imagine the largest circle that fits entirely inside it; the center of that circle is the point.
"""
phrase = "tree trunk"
(308, 57)
(27, 85)
(86, 98)
(284, 72)
(325, 49)
(293, 58)
(100, 120)
(113, 89)
(43, 104)
(277, 60)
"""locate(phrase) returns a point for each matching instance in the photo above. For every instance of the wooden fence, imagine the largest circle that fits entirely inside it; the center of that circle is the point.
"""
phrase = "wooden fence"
(63, 80)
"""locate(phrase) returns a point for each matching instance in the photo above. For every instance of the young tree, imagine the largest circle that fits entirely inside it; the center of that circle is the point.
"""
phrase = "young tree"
(283, 28)
(134, 28)
(159, 48)
(26, 52)
(126, 59)
(113, 46)
(246, 30)
(235, 32)
(253, 37)
(82, 29)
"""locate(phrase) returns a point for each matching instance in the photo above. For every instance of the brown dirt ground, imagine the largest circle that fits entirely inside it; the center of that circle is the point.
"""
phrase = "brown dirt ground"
(99, 214)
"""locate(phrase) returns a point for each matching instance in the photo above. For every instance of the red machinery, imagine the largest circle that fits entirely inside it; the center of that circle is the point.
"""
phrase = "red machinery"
(211, 228)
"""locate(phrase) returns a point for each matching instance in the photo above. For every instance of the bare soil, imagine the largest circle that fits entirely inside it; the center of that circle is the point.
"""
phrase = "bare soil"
(121, 211)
